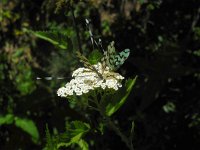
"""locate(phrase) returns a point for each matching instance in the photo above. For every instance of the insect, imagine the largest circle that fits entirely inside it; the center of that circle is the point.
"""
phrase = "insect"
(86, 64)
(110, 59)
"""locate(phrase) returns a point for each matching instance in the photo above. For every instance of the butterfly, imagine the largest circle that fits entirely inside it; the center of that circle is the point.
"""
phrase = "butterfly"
(110, 59)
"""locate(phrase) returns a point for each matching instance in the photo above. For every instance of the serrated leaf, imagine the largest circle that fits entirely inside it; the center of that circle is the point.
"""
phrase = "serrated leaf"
(75, 130)
(55, 37)
(29, 127)
(7, 119)
(50, 144)
(118, 99)
(83, 144)
(95, 57)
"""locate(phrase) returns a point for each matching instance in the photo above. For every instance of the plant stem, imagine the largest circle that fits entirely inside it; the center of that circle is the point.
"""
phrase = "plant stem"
(76, 29)
(112, 126)
(118, 132)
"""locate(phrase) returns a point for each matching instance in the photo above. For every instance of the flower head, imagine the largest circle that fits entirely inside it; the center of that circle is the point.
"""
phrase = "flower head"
(86, 79)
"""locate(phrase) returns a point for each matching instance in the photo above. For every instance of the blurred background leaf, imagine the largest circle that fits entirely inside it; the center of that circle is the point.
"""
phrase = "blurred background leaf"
(29, 127)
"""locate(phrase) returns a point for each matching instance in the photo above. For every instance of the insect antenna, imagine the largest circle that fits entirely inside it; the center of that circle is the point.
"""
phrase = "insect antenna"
(100, 45)
(55, 78)
(90, 32)
(52, 78)
(93, 41)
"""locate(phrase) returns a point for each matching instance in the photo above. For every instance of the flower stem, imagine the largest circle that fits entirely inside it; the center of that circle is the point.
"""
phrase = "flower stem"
(76, 29)
(119, 133)
(112, 126)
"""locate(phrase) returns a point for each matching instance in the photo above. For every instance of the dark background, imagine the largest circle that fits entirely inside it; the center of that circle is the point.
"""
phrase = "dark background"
(164, 38)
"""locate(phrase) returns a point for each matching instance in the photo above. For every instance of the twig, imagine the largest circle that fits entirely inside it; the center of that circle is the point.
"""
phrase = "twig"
(76, 29)
(195, 20)
(112, 126)
(119, 133)
(93, 108)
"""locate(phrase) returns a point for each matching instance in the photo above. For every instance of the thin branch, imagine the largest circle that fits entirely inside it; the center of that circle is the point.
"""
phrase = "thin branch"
(119, 133)
(76, 29)
(195, 20)
(112, 126)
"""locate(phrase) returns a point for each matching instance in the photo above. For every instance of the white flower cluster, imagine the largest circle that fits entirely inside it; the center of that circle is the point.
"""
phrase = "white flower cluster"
(85, 80)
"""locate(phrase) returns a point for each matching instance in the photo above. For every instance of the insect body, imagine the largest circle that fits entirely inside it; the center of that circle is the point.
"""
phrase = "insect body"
(86, 63)
(110, 60)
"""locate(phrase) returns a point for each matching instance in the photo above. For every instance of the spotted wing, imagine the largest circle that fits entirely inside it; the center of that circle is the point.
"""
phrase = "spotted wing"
(109, 56)
(112, 59)
(120, 58)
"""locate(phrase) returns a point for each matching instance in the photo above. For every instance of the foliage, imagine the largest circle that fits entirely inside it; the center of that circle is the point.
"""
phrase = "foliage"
(8, 119)
(119, 98)
(75, 130)
(57, 38)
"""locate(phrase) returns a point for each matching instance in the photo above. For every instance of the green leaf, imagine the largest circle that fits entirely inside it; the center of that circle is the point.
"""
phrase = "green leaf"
(75, 130)
(197, 53)
(18, 53)
(50, 145)
(24, 84)
(7, 119)
(83, 144)
(29, 127)
(95, 57)
(54, 37)
(101, 127)
(118, 99)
